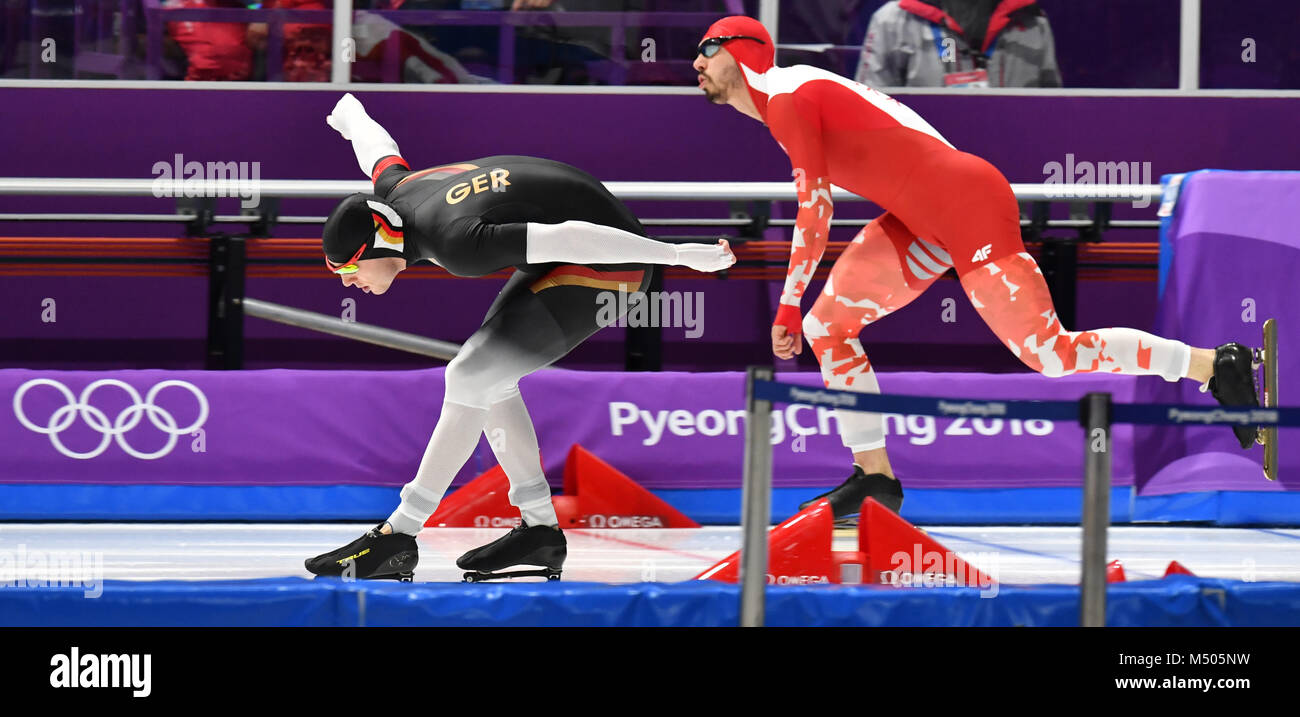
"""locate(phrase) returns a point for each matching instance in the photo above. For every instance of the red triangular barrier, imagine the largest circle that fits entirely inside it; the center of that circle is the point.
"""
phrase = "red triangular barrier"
(596, 495)
(1115, 572)
(610, 499)
(798, 551)
(481, 503)
(1177, 568)
(900, 554)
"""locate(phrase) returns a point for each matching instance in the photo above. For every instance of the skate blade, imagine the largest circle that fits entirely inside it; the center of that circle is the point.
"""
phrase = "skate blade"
(1267, 436)
(481, 577)
(853, 523)
(399, 577)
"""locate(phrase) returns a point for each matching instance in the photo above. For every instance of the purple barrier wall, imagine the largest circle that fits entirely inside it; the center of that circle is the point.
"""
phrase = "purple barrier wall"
(666, 430)
(1235, 256)
(71, 132)
(77, 132)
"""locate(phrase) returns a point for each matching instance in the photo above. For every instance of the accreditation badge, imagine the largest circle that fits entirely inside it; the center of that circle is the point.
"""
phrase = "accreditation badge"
(973, 78)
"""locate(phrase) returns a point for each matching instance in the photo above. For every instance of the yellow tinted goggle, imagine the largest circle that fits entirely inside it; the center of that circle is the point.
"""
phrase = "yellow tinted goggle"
(348, 267)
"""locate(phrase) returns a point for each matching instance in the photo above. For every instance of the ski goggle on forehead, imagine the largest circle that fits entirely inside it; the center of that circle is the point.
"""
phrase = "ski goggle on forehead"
(709, 47)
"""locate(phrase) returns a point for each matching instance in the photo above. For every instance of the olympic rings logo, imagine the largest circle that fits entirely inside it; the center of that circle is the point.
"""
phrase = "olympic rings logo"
(128, 419)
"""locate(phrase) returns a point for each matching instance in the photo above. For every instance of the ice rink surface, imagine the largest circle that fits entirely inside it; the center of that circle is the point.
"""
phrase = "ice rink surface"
(1012, 555)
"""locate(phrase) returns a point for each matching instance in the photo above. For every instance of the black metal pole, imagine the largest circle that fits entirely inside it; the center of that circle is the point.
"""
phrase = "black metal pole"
(643, 345)
(225, 303)
(1095, 416)
(756, 501)
(1059, 262)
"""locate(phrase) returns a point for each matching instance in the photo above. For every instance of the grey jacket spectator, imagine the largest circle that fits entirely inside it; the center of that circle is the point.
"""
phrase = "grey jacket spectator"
(938, 43)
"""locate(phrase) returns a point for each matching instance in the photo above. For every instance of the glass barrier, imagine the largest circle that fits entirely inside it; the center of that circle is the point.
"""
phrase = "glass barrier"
(951, 43)
(1250, 44)
(564, 42)
(1133, 44)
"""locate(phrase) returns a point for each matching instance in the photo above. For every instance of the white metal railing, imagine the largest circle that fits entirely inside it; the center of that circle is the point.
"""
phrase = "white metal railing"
(626, 191)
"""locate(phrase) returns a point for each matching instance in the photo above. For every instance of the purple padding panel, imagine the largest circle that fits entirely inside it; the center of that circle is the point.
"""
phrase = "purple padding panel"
(98, 324)
(1235, 256)
(666, 430)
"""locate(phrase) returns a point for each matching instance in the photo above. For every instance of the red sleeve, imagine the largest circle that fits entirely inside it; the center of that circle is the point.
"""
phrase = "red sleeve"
(384, 163)
(388, 172)
(795, 122)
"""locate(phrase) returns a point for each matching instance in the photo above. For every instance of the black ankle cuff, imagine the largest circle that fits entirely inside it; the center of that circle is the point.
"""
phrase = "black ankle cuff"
(879, 483)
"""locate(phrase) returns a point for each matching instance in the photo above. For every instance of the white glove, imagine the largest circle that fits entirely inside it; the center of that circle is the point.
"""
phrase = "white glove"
(345, 115)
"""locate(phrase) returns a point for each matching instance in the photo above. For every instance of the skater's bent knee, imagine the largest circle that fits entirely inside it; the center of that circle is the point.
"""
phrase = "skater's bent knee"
(469, 383)
(815, 327)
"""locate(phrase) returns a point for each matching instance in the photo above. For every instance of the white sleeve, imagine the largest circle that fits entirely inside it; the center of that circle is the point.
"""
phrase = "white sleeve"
(370, 141)
(584, 242)
(581, 242)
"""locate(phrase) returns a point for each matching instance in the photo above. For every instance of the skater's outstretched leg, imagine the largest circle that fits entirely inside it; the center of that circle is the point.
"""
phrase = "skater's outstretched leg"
(1011, 296)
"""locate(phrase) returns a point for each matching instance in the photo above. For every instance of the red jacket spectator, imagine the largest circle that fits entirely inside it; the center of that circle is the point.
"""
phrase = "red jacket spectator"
(215, 50)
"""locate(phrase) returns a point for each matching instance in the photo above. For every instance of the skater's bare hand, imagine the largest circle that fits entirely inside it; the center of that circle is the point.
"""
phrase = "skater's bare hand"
(785, 344)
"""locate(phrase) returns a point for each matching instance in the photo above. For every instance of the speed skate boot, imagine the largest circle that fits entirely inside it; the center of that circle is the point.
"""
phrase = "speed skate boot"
(846, 499)
(1233, 385)
(539, 545)
(373, 556)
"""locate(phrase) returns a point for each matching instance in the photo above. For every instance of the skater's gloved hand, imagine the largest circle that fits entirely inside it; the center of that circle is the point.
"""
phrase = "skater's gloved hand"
(345, 115)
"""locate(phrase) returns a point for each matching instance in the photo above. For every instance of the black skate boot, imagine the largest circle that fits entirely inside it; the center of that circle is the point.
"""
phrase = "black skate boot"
(846, 499)
(539, 545)
(1233, 384)
(373, 556)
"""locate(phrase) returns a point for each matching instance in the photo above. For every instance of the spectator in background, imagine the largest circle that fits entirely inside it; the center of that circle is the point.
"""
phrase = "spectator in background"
(572, 55)
(306, 47)
(959, 43)
(547, 53)
(415, 59)
(215, 51)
